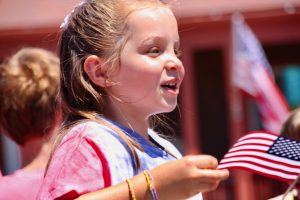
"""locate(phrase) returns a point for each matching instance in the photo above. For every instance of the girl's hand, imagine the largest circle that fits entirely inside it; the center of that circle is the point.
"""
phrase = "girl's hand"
(184, 178)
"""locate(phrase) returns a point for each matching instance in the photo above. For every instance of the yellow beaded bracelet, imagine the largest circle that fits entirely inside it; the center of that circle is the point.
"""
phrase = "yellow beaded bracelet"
(150, 185)
(130, 189)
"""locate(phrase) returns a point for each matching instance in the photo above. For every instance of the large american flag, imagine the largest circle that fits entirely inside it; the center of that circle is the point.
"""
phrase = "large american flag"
(265, 153)
(252, 74)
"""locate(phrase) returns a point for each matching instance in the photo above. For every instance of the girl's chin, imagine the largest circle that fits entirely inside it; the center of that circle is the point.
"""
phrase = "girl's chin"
(167, 109)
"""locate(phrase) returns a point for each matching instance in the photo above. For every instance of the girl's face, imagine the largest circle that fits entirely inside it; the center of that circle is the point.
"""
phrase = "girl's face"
(150, 74)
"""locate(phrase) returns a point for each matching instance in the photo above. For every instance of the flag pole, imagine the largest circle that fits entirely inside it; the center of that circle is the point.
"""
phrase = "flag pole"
(291, 187)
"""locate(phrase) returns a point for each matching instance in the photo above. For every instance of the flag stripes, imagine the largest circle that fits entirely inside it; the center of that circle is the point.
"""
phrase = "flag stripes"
(251, 153)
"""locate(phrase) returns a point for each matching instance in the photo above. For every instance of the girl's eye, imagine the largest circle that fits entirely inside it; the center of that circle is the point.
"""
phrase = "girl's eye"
(153, 51)
(178, 52)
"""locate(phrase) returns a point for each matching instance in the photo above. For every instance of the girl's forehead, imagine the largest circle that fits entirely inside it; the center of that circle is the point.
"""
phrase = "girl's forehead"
(153, 12)
(152, 19)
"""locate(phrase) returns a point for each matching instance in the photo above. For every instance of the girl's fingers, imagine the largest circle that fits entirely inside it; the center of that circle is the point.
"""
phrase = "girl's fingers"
(206, 187)
(210, 179)
(202, 161)
(210, 176)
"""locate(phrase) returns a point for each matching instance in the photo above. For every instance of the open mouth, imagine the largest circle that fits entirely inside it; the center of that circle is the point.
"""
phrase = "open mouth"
(171, 87)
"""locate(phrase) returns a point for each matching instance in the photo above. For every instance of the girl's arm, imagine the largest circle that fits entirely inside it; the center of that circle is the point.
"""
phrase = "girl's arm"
(179, 179)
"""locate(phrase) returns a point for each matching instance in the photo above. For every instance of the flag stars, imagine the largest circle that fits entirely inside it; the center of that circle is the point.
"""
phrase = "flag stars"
(285, 148)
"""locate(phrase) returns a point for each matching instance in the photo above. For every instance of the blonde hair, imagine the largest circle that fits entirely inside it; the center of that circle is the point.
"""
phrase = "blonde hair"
(29, 84)
(96, 27)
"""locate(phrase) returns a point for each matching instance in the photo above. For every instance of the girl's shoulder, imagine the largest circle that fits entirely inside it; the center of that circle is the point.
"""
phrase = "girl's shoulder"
(95, 136)
(89, 130)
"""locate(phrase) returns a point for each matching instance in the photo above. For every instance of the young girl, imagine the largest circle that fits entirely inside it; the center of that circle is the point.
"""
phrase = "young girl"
(120, 67)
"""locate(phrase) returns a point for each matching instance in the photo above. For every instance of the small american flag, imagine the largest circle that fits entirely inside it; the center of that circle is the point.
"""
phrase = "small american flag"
(266, 154)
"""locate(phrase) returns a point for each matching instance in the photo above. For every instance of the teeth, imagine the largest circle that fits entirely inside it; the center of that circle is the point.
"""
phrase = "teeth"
(170, 84)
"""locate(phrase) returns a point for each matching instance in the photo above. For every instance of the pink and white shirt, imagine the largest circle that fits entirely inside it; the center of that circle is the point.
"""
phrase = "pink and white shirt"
(92, 156)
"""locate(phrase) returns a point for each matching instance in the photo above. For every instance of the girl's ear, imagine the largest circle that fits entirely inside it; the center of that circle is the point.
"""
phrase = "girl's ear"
(95, 70)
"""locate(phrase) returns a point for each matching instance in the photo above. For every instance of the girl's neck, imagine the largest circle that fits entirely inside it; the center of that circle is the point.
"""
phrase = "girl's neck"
(124, 115)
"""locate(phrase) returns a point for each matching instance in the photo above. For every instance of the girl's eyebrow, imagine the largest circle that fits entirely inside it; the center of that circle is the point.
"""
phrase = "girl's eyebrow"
(157, 39)
(152, 39)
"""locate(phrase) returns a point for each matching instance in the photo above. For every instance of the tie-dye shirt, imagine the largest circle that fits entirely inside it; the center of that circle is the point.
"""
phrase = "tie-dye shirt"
(92, 156)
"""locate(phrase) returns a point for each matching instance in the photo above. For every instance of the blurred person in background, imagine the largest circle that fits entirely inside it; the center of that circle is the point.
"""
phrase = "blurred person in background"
(29, 115)
(291, 127)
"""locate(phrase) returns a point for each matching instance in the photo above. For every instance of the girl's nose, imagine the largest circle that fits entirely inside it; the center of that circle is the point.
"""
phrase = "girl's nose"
(173, 64)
